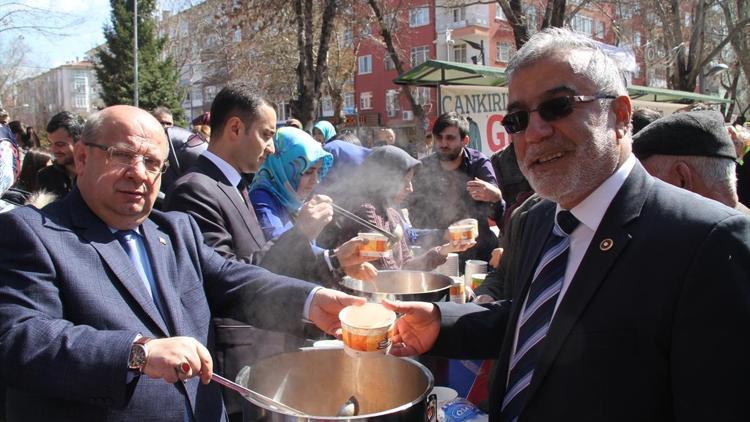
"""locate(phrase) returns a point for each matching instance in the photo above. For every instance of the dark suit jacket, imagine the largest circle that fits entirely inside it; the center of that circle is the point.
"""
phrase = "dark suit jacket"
(654, 328)
(71, 304)
(230, 226)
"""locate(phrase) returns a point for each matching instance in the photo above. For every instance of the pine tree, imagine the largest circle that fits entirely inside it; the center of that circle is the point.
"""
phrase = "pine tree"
(157, 77)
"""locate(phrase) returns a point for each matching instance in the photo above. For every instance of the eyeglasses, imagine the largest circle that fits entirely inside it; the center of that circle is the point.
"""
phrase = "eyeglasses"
(549, 111)
(129, 158)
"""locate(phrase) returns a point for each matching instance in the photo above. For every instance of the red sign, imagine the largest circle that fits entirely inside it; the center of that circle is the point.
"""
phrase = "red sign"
(497, 139)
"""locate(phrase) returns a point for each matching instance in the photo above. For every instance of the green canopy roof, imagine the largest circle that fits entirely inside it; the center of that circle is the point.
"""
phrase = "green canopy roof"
(439, 72)
(664, 95)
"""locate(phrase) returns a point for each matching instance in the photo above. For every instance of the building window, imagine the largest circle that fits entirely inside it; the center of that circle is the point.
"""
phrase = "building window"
(687, 19)
(326, 106)
(499, 14)
(366, 30)
(237, 37)
(364, 64)
(421, 94)
(637, 39)
(419, 55)
(391, 102)
(582, 24)
(419, 16)
(81, 101)
(599, 29)
(349, 103)
(503, 52)
(388, 62)
(531, 19)
(365, 101)
(459, 53)
(348, 37)
(457, 14)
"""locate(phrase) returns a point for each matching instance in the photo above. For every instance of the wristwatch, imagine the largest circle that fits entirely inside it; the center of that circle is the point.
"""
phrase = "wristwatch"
(138, 354)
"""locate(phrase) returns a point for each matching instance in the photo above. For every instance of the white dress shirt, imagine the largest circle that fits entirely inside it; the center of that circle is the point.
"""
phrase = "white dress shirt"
(589, 212)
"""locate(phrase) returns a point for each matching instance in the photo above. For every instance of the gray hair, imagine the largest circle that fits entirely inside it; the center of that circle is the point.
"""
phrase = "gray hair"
(91, 128)
(605, 73)
(718, 174)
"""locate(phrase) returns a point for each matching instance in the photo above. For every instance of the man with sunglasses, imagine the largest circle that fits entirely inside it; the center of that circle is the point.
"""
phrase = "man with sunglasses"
(626, 299)
(106, 305)
(63, 131)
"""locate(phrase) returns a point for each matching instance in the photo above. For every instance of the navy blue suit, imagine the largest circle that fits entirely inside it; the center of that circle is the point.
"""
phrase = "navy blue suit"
(654, 325)
(71, 303)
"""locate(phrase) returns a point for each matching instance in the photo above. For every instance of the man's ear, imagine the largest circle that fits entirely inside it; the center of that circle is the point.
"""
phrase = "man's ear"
(80, 156)
(623, 110)
(684, 175)
(466, 140)
(234, 127)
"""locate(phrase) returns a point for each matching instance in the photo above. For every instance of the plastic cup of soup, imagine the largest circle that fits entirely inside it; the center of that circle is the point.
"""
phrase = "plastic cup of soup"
(366, 329)
(377, 245)
(462, 233)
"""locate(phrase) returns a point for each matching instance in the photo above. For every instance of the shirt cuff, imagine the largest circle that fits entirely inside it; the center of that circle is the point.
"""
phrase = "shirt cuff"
(308, 303)
(327, 258)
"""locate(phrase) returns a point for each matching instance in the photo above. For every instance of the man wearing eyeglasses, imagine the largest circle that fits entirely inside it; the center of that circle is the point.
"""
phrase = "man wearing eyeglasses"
(626, 299)
(106, 305)
(63, 131)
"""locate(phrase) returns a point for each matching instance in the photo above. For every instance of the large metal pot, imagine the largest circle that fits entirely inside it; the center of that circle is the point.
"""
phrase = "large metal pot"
(400, 285)
(318, 381)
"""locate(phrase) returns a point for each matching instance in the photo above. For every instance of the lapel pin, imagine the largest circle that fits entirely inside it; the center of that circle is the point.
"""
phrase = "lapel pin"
(606, 244)
(162, 240)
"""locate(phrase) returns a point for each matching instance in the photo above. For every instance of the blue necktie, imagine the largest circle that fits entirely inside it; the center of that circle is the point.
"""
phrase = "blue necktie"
(136, 250)
(536, 315)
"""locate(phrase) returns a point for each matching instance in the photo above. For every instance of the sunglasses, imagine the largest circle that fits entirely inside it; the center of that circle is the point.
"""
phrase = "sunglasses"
(549, 111)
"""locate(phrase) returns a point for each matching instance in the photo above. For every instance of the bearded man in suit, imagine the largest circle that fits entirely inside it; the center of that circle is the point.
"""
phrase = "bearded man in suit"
(626, 298)
(106, 305)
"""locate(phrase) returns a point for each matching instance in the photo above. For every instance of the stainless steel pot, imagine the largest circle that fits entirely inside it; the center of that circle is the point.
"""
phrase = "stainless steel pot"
(318, 381)
(400, 285)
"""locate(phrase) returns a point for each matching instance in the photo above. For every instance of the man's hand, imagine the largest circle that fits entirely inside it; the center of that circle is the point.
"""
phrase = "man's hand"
(314, 215)
(416, 330)
(325, 308)
(483, 191)
(348, 253)
(364, 271)
(167, 355)
(497, 255)
(456, 247)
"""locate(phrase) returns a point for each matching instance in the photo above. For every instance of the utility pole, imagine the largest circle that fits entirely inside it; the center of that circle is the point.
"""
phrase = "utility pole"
(135, 52)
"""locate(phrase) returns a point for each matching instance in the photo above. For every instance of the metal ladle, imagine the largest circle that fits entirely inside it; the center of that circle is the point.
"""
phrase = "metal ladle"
(349, 408)
(273, 404)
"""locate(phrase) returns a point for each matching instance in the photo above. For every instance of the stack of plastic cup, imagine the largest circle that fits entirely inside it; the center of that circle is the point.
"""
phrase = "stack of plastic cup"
(450, 267)
(474, 266)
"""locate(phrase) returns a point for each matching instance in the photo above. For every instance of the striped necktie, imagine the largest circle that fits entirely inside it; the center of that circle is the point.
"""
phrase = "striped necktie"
(536, 315)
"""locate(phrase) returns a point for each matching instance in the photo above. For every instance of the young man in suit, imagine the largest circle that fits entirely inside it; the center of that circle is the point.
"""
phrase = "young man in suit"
(214, 193)
(106, 305)
(628, 298)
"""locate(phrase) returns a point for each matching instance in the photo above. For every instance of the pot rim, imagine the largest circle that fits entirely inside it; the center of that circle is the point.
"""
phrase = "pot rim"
(422, 397)
(343, 280)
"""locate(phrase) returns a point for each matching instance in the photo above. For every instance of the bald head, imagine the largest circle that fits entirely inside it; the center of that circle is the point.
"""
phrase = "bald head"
(119, 161)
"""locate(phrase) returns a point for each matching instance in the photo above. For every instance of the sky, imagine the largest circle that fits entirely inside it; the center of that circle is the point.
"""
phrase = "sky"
(84, 20)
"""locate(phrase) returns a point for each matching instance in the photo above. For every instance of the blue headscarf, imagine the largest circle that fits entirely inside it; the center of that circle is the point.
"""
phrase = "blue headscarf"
(280, 174)
(326, 128)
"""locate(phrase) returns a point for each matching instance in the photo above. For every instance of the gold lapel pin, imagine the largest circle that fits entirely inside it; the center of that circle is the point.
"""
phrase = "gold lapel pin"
(606, 244)
(162, 240)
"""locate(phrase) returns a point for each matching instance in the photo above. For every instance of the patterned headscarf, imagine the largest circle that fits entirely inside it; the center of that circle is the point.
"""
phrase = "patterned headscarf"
(280, 174)
(326, 128)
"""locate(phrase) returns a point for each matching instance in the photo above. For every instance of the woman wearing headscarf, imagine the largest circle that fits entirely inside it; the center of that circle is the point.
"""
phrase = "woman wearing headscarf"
(286, 179)
(281, 195)
(323, 131)
(382, 183)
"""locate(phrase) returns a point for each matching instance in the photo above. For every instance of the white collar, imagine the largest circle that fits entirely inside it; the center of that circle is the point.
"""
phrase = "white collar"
(232, 175)
(591, 210)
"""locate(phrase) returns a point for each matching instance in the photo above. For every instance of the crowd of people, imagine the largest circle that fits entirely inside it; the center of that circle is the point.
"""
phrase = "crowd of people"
(620, 287)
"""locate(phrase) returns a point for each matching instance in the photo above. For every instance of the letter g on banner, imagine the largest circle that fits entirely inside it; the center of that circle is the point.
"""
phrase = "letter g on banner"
(497, 139)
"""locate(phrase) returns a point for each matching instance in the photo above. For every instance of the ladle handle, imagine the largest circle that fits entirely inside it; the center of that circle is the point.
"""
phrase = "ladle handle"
(247, 392)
